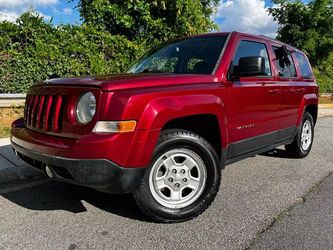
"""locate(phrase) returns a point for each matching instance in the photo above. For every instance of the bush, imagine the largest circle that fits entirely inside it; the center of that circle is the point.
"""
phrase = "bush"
(32, 50)
(324, 75)
(324, 81)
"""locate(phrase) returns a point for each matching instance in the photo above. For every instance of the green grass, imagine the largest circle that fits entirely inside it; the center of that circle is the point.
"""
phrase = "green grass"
(4, 131)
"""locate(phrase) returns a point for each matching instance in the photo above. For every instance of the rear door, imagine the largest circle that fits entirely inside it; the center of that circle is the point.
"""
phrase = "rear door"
(291, 93)
(253, 110)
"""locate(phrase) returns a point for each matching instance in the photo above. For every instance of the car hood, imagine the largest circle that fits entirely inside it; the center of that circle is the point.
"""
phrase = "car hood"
(130, 81)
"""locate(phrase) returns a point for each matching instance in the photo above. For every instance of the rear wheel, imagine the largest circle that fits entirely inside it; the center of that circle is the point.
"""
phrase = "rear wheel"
(183, 179)
(303, 140)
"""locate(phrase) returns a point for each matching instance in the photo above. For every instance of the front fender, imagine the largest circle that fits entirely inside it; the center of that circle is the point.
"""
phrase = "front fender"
(161, 110)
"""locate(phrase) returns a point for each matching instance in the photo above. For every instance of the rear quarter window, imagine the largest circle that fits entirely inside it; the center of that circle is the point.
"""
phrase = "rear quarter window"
(304, 66)
(285, 70)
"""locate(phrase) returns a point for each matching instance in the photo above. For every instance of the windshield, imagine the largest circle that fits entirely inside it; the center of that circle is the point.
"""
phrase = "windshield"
(195, 55)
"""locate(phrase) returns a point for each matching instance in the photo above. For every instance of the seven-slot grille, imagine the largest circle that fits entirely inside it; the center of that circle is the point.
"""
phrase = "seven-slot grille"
(44, 112)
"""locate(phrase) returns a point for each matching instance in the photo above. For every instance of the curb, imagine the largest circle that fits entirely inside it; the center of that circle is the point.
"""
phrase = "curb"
(4, 141)
(328, 112)
(325, 106)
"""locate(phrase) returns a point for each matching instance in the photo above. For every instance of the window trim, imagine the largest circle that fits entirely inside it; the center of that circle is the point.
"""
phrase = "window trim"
(219, 60)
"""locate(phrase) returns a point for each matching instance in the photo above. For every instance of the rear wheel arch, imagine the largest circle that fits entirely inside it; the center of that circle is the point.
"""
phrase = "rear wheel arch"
(313, 110)
(302, 142)
(308, 104)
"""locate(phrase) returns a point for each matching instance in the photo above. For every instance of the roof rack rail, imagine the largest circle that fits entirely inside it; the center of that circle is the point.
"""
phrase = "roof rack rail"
(268, 37)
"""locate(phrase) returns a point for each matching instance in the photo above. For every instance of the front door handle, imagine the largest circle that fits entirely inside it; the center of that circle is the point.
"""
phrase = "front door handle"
(273, 91)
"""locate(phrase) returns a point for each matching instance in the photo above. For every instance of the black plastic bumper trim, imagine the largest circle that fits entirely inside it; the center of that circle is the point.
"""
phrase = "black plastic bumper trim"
(99, 174)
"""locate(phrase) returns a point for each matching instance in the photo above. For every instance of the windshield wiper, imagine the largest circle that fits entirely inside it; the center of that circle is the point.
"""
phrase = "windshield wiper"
(154, 71)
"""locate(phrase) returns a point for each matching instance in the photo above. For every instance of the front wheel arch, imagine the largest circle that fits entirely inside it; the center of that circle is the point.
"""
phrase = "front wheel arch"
(177, 139)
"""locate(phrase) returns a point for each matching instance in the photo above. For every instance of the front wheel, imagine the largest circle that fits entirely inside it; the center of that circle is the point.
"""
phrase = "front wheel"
(183, 179)
(303, 140)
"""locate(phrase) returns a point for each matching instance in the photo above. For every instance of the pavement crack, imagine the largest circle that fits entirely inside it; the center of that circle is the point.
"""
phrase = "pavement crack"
(285, 212)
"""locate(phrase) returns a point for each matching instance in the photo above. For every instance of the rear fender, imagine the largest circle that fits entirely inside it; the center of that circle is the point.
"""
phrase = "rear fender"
(308, 99)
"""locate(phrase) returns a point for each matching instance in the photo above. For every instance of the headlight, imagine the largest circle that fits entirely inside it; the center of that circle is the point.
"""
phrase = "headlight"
(86, 108)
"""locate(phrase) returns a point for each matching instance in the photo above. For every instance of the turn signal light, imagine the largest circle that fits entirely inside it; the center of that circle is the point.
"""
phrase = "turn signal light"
(114, 126)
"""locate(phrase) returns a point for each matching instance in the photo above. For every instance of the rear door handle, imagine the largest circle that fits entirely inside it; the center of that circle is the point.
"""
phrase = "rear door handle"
(273, 91)
(300, 90)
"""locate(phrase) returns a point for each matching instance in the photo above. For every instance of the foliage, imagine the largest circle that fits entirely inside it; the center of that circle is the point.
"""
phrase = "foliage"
(112, 36)
(310, 28)
(32, 50)
(324, 75)
(150, 20)
(7, 116)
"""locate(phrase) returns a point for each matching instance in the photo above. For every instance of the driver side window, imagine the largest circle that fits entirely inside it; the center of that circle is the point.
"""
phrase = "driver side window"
(251, 49)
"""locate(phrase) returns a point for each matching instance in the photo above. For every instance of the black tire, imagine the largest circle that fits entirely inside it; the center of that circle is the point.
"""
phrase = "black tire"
(295, 149)
(173, 140)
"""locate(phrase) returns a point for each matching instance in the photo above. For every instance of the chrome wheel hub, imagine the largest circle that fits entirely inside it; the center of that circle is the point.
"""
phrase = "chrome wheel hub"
(177, 178)
(306, 137)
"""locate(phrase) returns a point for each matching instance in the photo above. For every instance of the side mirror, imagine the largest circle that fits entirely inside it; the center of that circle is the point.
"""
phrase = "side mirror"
(251, 66)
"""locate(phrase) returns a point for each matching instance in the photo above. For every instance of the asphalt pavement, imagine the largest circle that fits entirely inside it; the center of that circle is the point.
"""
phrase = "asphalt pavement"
(14, 173)
(308, 225)
(260, 205)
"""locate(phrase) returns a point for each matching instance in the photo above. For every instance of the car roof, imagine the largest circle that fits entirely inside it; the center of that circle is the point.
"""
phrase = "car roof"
(265, 38)
(259, 37)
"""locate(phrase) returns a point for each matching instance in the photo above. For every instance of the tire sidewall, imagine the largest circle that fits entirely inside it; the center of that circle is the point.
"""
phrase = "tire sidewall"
(208, 156)
(303, 152)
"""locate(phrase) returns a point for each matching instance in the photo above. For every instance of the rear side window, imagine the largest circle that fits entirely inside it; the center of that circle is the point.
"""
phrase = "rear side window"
(304, 66)
(283, 68)
(248, 49)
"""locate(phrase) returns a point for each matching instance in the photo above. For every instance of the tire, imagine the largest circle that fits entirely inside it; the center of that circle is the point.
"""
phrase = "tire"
(183, 179)
(302, 144)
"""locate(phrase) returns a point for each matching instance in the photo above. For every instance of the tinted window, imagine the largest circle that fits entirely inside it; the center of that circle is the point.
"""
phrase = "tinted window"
(249, 49)
(304, 66)
(198, 55)
(285, 69)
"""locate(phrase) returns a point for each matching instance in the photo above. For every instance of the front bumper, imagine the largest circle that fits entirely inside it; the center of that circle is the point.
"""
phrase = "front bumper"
(100, 174)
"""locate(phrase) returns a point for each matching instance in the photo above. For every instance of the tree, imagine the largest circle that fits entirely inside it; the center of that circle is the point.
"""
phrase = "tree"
(306, 26)
(150, 19)
(32, 50)
(310, 28)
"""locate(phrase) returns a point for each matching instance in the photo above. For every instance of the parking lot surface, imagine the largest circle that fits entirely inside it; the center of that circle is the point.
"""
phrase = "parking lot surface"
(254, 195)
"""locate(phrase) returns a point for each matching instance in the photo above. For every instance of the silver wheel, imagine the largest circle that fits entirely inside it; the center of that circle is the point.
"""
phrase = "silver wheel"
(306, 137)
(177, 178)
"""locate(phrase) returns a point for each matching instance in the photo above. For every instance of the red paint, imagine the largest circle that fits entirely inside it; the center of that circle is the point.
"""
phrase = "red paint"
(40, 109)
(270, 103)
(47, 112)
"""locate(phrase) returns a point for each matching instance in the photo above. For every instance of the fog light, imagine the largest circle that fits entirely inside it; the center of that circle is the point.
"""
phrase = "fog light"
(48, 172)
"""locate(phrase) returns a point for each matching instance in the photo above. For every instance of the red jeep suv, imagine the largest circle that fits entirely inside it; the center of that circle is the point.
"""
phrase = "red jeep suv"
(165, 129)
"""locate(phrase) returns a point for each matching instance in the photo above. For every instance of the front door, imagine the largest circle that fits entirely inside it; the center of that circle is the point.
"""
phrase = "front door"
(253, 110)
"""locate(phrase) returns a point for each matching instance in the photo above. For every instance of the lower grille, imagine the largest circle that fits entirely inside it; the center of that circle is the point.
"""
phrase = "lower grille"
(44, 112)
